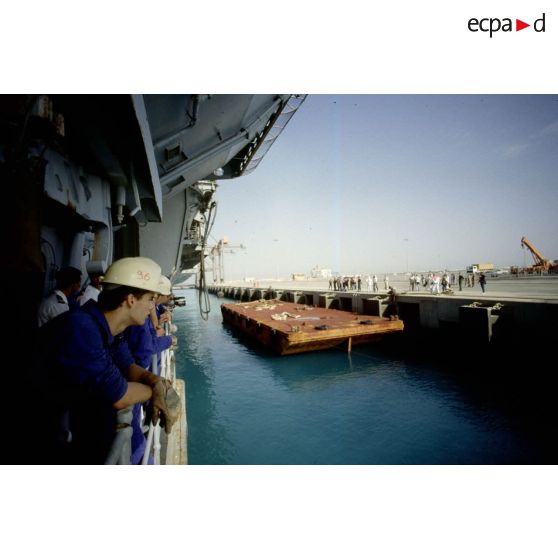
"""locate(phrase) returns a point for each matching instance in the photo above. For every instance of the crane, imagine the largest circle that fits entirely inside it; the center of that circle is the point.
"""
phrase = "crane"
(217, 253)
(541, 263)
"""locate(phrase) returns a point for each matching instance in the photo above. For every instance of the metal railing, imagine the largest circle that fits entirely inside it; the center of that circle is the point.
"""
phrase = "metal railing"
(154, 434)
(121, 449)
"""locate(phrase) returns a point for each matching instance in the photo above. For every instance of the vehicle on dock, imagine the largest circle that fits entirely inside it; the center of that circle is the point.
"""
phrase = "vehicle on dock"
(480, 268)
(540, 265)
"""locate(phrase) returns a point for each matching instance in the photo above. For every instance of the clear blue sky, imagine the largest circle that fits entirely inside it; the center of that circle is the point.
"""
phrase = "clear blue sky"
(461, 177)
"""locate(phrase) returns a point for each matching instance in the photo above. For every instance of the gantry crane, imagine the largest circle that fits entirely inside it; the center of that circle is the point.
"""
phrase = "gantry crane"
(216, 253)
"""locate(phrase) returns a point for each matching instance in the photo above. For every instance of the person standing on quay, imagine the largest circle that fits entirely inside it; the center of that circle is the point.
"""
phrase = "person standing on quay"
(482, 281)
(460, 281)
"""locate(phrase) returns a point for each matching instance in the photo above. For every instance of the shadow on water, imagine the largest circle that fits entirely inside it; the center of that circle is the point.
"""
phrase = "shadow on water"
(515, 380)
(308, 370)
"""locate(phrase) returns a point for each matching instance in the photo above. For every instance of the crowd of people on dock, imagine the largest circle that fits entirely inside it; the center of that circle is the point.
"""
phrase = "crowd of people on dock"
(433, 282)
(99, 347)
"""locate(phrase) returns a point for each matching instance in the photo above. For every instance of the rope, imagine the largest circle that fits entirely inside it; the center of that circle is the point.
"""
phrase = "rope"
(203, 294)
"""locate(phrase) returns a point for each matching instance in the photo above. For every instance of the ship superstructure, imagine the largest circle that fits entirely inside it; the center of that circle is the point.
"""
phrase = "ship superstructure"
(97, 177)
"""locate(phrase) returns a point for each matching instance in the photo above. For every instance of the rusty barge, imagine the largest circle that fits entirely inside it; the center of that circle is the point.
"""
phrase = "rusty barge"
(289, 328)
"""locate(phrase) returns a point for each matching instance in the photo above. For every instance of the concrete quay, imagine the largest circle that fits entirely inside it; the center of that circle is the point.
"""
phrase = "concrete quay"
(512, 308)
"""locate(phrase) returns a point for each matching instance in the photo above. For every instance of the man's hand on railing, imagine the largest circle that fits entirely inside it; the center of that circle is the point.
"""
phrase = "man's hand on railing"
(166, 404)
(164, 317)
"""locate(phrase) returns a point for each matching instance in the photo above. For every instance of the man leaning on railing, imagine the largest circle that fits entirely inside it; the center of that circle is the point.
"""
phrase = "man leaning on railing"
(92, 377)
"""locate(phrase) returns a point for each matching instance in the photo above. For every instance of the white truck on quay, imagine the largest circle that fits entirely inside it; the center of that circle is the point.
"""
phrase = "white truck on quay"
(480, 268)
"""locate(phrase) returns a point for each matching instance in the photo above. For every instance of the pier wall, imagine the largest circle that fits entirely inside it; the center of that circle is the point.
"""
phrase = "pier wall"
(484, 319)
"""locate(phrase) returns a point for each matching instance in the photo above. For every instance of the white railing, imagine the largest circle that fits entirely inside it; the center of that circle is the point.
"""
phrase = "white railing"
(121, 448)
(154, 433)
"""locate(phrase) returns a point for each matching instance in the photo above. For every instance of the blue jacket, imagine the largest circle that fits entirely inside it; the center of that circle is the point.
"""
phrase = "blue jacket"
(140, 343)
(143, 343)
(89, 368)
(160, 344)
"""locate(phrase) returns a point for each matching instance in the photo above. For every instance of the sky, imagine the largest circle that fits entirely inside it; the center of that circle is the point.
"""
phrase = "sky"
(396, 183)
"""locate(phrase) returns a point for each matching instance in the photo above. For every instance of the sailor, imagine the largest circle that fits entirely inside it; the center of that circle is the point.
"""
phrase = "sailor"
(68, 282)
(94, 376)
(160, 315)
(92, 290)
(143, 343)
(165, 294)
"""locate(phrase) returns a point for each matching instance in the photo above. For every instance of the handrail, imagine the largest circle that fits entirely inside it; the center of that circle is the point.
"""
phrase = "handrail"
(121, 450)
(154, 434)
(157, 444)
(148, 443)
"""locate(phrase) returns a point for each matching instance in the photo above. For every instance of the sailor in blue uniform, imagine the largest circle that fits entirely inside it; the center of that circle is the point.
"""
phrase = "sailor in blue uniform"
(95, 375)
(143, 344)
(140, 343)
(143, 341)
(159, 316)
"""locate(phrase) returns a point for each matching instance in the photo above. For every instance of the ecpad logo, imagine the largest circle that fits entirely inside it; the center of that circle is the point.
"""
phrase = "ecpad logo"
(493, 25)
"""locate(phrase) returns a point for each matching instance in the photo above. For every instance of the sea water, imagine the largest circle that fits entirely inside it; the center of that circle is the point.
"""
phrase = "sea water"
(247, 406)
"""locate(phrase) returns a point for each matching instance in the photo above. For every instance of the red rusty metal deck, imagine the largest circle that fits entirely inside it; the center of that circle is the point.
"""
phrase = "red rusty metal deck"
(287, 328)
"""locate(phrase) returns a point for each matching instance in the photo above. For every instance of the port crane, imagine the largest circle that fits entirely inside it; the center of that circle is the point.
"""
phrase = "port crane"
(216, 253)
(541, 263)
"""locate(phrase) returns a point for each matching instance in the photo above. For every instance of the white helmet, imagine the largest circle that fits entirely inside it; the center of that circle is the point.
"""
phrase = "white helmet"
(140, 273)
(164, 286)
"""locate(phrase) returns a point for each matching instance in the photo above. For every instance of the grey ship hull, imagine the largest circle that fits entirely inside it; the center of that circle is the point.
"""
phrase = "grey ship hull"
(124, 175)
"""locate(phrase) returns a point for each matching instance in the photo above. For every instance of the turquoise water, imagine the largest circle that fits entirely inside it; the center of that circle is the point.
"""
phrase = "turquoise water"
(246, 406)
